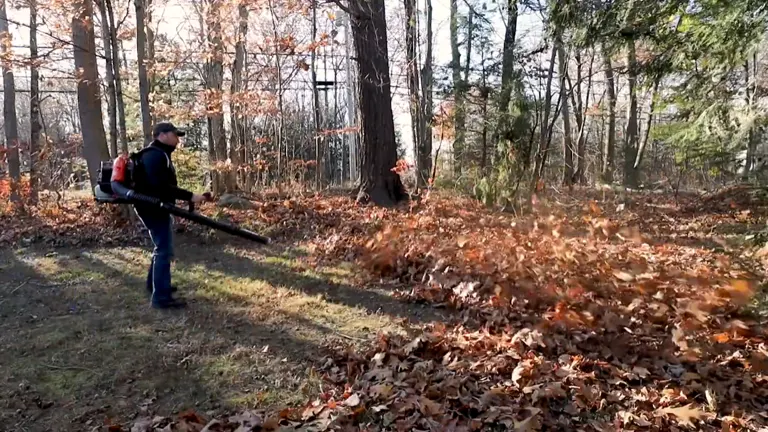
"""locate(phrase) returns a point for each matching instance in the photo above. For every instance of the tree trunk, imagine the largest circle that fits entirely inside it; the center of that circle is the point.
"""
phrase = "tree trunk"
(458, 93)
(34, 103)
(316, 101)
(280, 98)
(568, 171)
(237, 122)
(468, 50)
(118, 81)
(750, 85)
(150, 59)
(504, 121)
(88, 99)
(550, 133)
(411, 47)
(141, 50)
(377, 180)
(9, 108)
(631, 179)
(647, 132)
(579, 112)
(609, 149)
(108, 60)
(544, 134)
(215, 103)
(484, 92)
(424, 155)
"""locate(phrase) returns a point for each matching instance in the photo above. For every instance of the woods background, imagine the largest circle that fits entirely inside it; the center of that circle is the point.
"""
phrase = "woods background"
(495, 99)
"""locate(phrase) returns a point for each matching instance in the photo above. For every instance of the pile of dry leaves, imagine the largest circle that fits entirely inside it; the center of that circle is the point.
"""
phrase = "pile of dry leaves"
(568, 323)
(76, 222)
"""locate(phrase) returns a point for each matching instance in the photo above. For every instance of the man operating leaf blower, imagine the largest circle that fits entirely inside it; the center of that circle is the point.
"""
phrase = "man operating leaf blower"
(147, 179)
(154, 175)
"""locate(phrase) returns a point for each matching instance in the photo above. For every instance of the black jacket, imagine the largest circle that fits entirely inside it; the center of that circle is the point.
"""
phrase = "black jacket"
(157, 176)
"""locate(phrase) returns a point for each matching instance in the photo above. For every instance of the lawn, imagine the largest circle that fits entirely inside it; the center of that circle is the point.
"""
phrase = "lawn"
(79, 341)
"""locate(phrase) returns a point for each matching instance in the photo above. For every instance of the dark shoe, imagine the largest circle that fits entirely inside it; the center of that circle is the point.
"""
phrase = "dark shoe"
(174, 288)
(169, 304)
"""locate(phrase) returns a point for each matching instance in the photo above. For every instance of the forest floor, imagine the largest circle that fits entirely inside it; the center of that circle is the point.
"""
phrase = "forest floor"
(593, 312)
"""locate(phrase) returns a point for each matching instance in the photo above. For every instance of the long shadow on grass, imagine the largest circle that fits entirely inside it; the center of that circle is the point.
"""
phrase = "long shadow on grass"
(92, 346)
(217, 256)
(51, 348)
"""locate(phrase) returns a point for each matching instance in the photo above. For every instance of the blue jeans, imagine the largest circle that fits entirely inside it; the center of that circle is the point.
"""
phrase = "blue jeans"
(160, 226)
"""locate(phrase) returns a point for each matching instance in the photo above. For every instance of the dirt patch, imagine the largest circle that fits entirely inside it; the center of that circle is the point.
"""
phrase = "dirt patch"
(78, 341)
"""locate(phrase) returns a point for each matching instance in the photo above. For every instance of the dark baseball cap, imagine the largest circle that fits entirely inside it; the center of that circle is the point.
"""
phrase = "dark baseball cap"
(164, 127)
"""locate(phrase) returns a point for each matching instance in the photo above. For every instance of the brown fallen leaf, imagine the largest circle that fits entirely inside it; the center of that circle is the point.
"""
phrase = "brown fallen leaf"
(758, 362)
(531, 338)
(380, 391)
(641, 372)
(740, 291)
(551, 390)
(352, 401)
(530, 423)
(522, 370)
(695, 308)
(684, 414)
(678, 337)
(628, 418)
(624, 276)
(271, 424)
(428, 407)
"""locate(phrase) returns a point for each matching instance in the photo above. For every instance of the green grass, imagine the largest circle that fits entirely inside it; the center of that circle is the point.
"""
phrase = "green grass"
(76, 330)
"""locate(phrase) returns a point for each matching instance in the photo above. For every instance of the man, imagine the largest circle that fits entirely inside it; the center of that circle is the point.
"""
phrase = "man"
(157, 178)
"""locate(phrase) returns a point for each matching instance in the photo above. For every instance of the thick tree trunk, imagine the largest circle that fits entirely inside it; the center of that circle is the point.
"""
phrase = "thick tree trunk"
(11, 123)
(458, 93)
(123, 133)
(141, 50)
(88, 99)
(110, 72)
(34, 103)
(424, 154)
(379, 156)
(568, 170)
(609, 149)
(631, 177)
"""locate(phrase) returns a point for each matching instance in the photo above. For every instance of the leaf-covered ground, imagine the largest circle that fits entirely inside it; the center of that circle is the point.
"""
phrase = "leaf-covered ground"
(590, 313)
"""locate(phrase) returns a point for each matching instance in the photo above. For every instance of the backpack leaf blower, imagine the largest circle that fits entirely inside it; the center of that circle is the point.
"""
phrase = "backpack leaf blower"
(115, 186)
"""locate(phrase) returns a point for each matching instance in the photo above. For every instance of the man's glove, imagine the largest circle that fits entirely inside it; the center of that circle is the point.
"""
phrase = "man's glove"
(197, 198)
